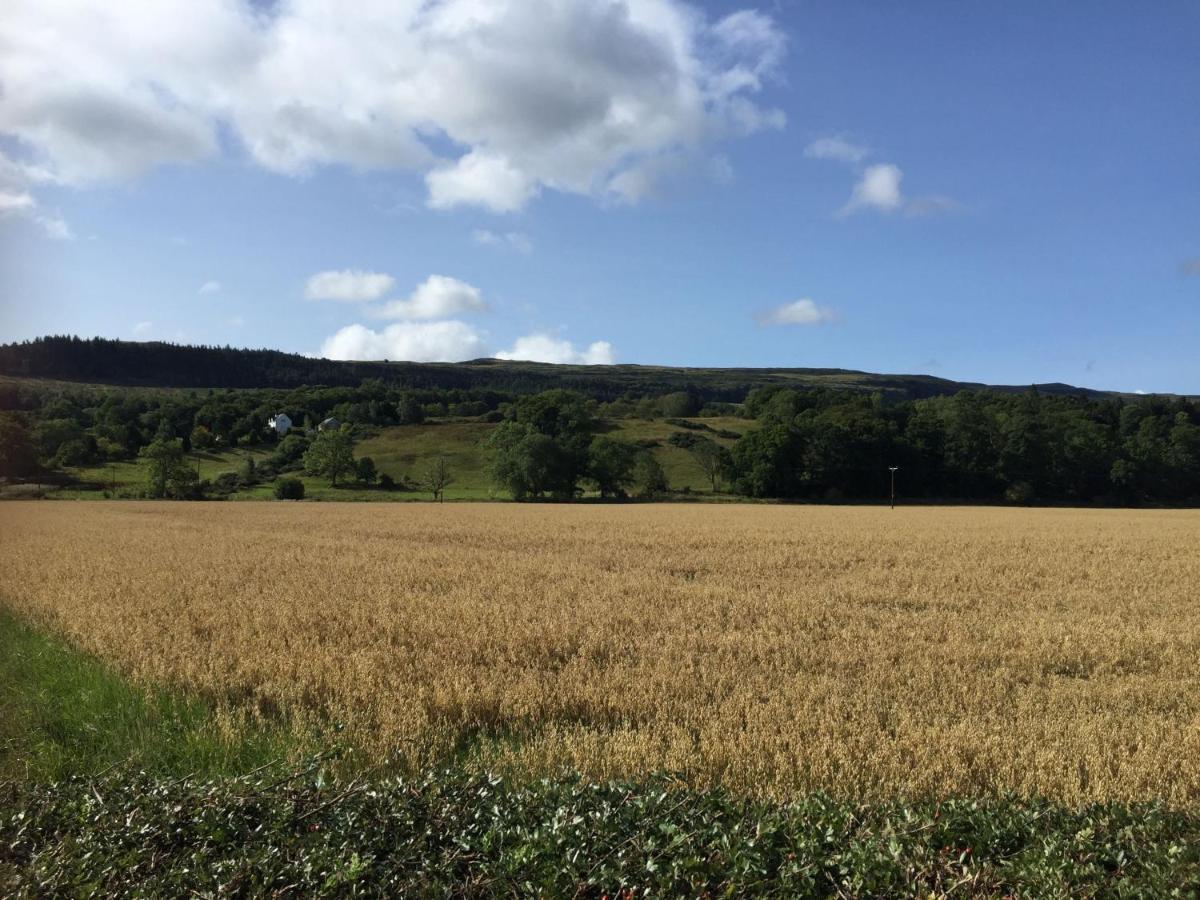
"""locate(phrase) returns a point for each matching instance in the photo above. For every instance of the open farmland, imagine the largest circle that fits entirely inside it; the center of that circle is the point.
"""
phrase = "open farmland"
(775, 650)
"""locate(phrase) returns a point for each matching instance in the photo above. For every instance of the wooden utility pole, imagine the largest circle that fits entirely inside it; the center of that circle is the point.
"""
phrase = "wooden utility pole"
(893, 469)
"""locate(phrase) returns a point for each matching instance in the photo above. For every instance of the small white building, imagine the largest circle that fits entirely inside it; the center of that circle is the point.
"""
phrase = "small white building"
(281, 423)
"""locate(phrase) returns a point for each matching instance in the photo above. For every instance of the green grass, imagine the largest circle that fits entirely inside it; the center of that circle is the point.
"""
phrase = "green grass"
(131, 475)
(404, 451)
(64, 713)
(682, 471)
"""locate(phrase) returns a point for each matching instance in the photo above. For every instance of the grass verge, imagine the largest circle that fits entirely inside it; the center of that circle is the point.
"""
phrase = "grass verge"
(64, 713)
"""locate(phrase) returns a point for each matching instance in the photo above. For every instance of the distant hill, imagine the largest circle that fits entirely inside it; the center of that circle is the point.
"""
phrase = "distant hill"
(156, 364)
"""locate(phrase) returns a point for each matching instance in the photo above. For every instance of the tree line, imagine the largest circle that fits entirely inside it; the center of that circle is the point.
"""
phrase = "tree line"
(820, 445)
(970, 446)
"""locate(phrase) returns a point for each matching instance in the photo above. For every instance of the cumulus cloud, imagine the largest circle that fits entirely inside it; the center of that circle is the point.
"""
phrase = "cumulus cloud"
(878, 189)
(798, 312)
(448, 341)
(536, 94)
(549, 349)
(514, 240)
(348, 285)
(437, 297)
(453, 341)
(210, 287)
(482, 179)
(836, 148)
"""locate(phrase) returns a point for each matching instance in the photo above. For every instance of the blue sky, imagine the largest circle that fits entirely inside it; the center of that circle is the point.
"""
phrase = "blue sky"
(585, 181)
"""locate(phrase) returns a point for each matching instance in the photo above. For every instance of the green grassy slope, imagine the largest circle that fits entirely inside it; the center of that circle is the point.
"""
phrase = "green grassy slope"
(404, 452)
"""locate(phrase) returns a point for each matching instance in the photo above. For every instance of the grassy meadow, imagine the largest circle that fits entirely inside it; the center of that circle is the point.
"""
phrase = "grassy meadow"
(772, 651)
(403, 452)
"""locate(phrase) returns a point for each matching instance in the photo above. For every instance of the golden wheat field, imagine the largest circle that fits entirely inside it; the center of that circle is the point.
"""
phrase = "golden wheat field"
(774, 649)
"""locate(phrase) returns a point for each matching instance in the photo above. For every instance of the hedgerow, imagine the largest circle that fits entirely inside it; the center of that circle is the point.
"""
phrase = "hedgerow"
(306, 833)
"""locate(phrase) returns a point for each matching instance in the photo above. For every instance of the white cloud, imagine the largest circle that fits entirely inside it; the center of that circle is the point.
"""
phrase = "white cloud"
(878, 188)
(437, 297)
(210, 287)
(545, 348)
(836, 148)
(539, 94)
(14, 201)
(55, 226)
(799, 312)
(348, 285)
(23, 204)
(141, 329)
(448, 341)
(480, 179)
(515, 240)
(453, 341)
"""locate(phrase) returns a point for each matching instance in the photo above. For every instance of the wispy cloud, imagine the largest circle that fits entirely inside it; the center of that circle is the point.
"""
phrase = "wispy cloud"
(24, 204)
(836, 148)
(513, 240)
(798, 312)
(210, 287)
(348, 285)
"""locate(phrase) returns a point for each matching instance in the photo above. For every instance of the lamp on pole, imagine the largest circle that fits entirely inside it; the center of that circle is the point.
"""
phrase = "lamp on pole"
(893, 469)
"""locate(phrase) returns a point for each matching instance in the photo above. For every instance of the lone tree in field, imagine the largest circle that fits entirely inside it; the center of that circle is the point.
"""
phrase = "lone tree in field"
(437, 478)
(331, 455)
(711, 457)
(170, 475)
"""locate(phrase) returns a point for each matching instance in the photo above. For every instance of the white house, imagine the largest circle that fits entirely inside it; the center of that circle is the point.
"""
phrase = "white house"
(281, 423)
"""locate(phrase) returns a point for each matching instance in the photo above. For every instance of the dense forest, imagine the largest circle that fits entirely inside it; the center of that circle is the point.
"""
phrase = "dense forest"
(155, 364)
(814, 444)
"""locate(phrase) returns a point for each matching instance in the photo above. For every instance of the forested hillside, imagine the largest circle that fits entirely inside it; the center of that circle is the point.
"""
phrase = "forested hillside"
(154, 364)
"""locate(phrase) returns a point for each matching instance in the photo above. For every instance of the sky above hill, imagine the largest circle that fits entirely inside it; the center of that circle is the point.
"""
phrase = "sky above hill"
(1006, 193)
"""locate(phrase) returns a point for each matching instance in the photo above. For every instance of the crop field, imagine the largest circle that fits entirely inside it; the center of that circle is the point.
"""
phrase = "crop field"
(774, 650)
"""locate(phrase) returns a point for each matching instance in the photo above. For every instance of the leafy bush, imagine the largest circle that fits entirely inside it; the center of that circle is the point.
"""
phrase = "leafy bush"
(455, 834)
(684, 440)
(289, 489)
(226, 483)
